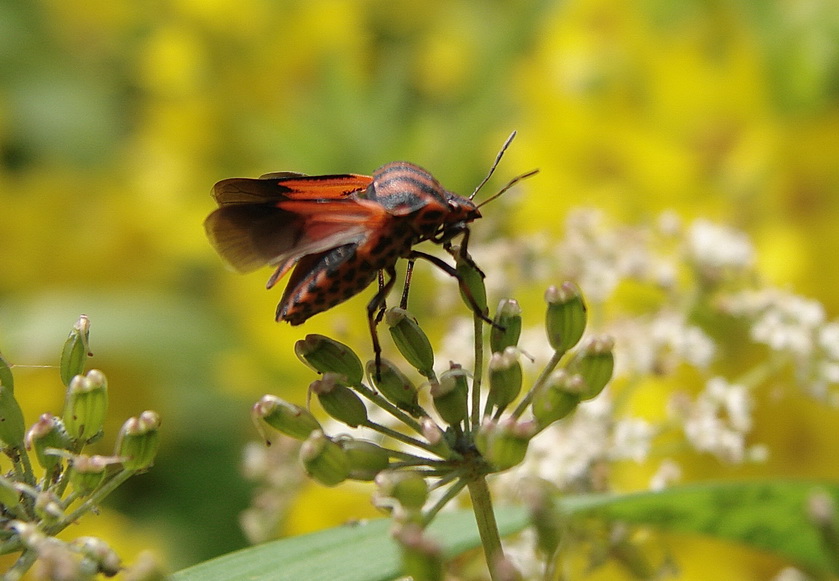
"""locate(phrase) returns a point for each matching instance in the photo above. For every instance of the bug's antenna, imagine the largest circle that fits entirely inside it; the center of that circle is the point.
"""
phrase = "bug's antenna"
(509, 185)
(494, 165)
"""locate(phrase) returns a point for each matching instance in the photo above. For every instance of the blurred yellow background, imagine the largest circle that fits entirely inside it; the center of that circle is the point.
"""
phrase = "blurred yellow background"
(117, 117)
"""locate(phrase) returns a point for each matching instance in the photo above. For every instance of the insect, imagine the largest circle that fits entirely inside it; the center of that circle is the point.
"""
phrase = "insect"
(339, 232)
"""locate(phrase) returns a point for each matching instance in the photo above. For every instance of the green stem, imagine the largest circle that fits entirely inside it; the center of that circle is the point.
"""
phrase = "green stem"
(95, 499)
(487, 527)
(525, 401)
(409, 458)
(439, 449)
(478, 372)
(453, 491)
(21, 566)
(380, 401)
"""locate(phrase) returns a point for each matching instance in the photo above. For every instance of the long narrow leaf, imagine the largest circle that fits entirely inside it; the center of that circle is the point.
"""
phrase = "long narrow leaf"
(769, 515)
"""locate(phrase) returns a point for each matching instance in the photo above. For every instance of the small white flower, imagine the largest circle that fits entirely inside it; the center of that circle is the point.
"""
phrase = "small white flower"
(789, 323)
(829, 340)
(668, 472)
(717, 421)
(714, 248)
(631, 439)
(790, 574)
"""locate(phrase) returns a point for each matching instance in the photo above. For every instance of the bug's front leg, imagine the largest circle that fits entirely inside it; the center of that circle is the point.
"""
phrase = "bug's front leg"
(377, 303)
(450, 270)
(463, 251)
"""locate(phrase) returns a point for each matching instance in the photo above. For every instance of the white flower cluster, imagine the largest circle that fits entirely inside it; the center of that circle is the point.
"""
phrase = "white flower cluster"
(717, 420)
(659, 276)
(794, 328)
(715, 250)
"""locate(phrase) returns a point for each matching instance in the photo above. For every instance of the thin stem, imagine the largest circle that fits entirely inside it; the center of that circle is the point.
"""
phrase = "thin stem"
(543, 377)
(95, 499)
(405, 439)
(487, 527)
(408, 457)
(27, 468)
(448, 477)
(453, 491)
(380, 401)
(21, 566)
(478, 371)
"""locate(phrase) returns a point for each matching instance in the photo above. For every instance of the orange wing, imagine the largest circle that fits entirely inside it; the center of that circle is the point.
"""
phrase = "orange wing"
(280, 218)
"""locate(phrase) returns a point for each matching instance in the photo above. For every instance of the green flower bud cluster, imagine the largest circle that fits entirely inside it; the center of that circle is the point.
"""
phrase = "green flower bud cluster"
(451, 427)
(55, 481)
(443, 431)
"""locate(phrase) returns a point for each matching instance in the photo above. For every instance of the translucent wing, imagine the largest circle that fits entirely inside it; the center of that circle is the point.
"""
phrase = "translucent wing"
(278, 219)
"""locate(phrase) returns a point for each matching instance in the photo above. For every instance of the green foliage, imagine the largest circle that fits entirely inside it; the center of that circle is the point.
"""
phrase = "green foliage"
(771, 516)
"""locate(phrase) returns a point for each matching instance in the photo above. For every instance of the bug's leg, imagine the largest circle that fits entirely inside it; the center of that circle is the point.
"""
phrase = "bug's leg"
(403, 303)
(463, 252)
(450, 270)
(377, 303)
(383, 306)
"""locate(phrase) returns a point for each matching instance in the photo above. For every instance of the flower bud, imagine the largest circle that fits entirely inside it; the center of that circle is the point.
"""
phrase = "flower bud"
(7, 380)
(324, 460)
(328, 355)
(566, 317)
(48, 506)
(146, 567)
(544, 515)
(12, 427)
(506, 328)
(450, 395)
(411, 340)
(86, 405)
(99, 554)
(47, 432)
(431, 431)
(504, 444)
(88, 472)
(366, 459)
(9, 494)
(558, 397)
(395, 387)
(504, 378)
(138, 440)
(471, 278)
(595, 363)
(409, 488)
(75, 352)
(422, 558)
(338, 400)
(287, 418)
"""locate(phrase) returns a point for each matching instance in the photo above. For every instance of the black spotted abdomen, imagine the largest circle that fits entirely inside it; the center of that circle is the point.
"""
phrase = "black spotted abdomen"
(332, 277)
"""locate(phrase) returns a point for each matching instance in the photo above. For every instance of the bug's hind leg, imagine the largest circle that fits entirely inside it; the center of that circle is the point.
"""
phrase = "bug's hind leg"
(381, 300)
(409, 271)
(375, 312)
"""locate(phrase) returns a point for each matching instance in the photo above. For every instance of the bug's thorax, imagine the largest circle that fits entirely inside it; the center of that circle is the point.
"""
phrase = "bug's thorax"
(408, 191)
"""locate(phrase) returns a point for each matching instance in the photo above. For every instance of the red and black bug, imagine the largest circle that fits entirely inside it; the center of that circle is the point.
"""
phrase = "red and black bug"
(339, 231)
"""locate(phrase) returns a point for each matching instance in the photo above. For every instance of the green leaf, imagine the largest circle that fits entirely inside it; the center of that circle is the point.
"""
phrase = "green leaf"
(768, 515)
(362, 552)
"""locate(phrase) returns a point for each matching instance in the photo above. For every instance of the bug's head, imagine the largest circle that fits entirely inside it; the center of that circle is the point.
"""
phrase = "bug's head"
(461, 209)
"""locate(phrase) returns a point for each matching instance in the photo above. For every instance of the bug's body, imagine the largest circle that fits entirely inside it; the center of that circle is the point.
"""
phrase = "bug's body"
(339, 230)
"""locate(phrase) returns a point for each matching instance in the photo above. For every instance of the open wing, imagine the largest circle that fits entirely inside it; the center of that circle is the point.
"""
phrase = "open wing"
(278, 219)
